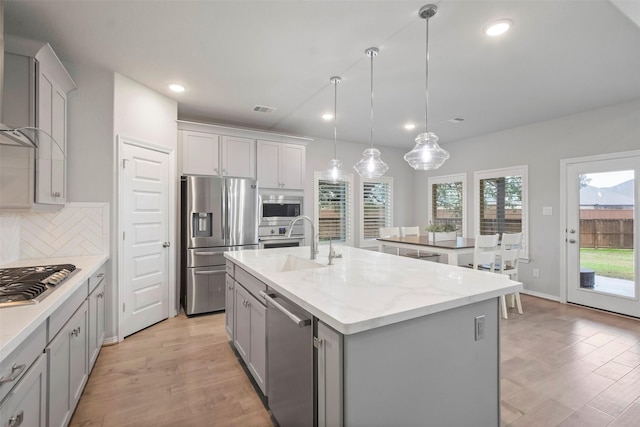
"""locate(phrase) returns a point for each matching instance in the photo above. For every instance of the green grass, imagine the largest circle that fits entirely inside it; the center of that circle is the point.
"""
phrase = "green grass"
(616, 263)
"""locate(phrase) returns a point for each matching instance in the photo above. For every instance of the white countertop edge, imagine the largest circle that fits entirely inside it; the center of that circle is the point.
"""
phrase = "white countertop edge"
(384, 320)
(23, 320)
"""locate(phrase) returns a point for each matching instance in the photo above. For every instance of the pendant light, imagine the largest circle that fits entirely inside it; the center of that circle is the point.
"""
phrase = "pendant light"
(335, 173)
(371, 165)
(427, 154)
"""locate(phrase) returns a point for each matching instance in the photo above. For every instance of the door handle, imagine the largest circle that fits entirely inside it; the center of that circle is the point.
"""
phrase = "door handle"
(301, 322)
(166, 244)
(572, 240)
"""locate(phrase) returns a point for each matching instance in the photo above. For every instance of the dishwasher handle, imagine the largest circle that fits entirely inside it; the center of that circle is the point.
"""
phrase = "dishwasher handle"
(297, 320)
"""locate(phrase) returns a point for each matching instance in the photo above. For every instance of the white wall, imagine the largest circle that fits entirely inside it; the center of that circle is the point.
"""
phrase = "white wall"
(541, 146)
(320, 151)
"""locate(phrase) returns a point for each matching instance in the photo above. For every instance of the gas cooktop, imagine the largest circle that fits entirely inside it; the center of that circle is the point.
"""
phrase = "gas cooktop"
(30, 285)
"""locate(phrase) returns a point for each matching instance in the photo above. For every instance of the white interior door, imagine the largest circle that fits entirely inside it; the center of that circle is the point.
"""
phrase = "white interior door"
(601, 233)
(145, 223)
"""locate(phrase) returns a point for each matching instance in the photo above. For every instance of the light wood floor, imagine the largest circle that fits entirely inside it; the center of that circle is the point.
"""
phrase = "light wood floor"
(561, 365)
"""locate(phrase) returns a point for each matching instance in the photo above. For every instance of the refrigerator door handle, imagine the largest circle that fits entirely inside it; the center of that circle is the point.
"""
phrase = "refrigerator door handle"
(208, 253)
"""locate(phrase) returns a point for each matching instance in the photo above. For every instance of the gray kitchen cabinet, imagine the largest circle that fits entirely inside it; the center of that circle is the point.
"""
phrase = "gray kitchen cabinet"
(249, 336)
(26, 406)
(68, 367)
(36, 96)
(217, 155)
(97, 330)
(281, 165)
(329, 376)
(229, 306)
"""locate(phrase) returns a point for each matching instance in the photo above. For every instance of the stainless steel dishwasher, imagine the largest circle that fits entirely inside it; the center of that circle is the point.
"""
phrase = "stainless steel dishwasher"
(290, 388)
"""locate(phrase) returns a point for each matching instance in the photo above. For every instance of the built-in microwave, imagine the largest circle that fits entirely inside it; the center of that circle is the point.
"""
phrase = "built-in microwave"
(278, 210)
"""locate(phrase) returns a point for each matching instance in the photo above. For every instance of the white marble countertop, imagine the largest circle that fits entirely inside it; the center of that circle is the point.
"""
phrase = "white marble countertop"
(16, 323)
(365, 289)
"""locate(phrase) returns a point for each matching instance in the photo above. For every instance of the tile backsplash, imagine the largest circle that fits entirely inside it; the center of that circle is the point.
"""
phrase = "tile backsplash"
(78, 229)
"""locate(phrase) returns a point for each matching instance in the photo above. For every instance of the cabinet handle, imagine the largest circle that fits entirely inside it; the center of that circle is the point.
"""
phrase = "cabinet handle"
(16, 420)
(56, 194)
(100, 276)
(101, 295)
(16, 370)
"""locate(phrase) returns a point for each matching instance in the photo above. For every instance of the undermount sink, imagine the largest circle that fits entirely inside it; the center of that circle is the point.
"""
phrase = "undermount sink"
(295, 263)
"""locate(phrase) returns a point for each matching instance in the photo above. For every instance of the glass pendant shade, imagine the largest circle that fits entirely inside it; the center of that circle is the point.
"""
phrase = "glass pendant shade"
(427, 154)
(334, 172)
(371, 165)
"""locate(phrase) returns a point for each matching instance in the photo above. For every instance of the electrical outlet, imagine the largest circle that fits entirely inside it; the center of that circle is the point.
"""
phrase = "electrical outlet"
(479, 328)
(536, 272)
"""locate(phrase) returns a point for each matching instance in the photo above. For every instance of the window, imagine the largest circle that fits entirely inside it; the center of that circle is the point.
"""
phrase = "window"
(334, 217)
(447, 201)
(376, 208)
(501, 202)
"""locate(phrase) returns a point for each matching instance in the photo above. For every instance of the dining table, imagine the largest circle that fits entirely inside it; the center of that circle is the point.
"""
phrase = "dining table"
(452, 248)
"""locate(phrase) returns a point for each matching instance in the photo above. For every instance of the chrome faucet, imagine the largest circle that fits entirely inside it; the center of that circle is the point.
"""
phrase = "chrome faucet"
(314, 242)
(332, 254)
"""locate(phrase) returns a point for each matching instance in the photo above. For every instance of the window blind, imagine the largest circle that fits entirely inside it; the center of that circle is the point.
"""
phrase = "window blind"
(334, 211)
(447, 206)
(376, 208)
(501, 205)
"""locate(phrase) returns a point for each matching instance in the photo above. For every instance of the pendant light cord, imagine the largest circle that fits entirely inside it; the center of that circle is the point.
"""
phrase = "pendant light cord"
(335, 118)
(372, 54)
(426, 86)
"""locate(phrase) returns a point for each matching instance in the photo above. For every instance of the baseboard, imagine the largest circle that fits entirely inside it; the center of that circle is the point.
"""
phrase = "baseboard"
(540, 295)
(110, 341)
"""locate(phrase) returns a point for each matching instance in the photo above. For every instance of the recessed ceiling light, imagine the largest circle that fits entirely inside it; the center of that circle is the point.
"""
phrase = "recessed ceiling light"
(177, 87)
(409, 126)
(497, 28)
(327, 116)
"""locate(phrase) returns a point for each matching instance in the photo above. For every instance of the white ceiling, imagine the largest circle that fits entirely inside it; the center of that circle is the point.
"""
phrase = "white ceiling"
(560, 57)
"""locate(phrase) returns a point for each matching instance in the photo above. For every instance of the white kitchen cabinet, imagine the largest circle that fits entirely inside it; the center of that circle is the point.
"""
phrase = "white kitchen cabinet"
(26, 405)
(229, 306)
(329, 376)
(200, 153)
(97, 330)
(68, 368)
(212, 154)
(281, 165)
(250, 334)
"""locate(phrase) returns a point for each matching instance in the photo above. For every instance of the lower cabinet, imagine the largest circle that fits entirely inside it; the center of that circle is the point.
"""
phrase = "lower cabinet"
(26, 404)
(249, 335)
(229, 306)
(329, 376)
(68, 367)
(97, 329)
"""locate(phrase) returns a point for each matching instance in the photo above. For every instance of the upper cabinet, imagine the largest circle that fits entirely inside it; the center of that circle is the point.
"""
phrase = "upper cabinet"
(217, 150)
(35, 96)
(281, 165)
(218, 155)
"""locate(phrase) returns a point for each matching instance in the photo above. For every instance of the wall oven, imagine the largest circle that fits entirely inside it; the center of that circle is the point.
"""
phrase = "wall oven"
(279, 210)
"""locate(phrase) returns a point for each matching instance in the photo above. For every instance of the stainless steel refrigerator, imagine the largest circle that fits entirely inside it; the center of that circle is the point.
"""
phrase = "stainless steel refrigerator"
(218, 215)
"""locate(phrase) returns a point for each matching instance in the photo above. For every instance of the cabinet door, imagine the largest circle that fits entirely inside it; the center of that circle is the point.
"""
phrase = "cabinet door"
(26, 405)
(67, 368)
(292, 162)
(238, 157)
(268, 164)
(258, 347)
(58, 149)
(96, 323)
(329, 376)
(242, 331)
(200, 153)
(229, 306)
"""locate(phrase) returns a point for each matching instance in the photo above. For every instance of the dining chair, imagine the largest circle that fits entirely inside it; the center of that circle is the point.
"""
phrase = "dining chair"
(415, 231)
(484, 252)
(390, 232)
(508, 262)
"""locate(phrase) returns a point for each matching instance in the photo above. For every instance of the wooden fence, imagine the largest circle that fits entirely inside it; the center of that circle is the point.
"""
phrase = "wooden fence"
(606, 233)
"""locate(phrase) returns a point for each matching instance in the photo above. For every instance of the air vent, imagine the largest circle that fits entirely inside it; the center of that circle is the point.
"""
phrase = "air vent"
(263, 109)
(456, 120)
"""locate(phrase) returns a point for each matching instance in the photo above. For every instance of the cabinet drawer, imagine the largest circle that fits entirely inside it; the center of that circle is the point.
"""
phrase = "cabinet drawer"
(97, 277)
(252, 284)
(66, 310)
(230, 268)
(26, 404)
(12, 368)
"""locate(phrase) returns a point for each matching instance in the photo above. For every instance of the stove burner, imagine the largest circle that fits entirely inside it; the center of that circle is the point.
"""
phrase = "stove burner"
(28, 285)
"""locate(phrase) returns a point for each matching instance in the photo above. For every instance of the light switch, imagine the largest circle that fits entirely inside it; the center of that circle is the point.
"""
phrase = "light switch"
(547, 210)
(479, 328)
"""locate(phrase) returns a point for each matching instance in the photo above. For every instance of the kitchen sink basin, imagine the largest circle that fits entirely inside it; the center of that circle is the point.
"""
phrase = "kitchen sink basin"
(295, 263)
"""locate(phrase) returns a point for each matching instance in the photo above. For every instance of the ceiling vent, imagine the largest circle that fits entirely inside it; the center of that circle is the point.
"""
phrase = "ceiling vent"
(263, 109)
(456, 120)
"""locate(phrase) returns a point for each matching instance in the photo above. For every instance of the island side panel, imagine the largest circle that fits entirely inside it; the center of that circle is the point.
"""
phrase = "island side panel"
(429, 371)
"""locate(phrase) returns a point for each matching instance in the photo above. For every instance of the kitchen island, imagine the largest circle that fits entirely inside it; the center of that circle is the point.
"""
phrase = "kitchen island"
(400, 341)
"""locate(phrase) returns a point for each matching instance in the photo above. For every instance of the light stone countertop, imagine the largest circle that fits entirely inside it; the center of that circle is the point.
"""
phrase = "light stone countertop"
(365, 289)
(17, 323)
